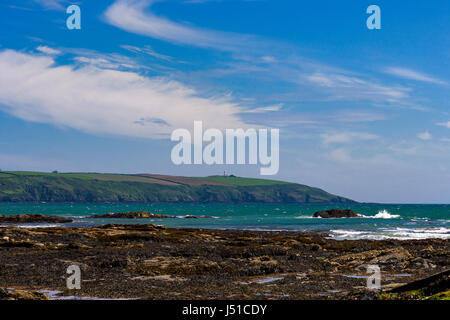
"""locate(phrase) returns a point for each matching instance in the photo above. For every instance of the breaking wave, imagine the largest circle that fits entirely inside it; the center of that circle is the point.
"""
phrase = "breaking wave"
(384, 214)
(392, 233)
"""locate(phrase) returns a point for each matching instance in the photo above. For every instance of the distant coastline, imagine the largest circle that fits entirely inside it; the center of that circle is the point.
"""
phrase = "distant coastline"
(25, 187)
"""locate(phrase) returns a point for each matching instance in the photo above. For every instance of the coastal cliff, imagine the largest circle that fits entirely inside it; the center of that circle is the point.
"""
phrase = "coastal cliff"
(144, 188)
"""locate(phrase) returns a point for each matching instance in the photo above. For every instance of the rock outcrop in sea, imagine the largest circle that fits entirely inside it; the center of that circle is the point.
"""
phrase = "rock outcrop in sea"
(142, 215)
(336, 213)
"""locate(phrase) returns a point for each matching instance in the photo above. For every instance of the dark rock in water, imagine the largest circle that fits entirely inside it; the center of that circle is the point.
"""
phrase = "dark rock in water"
(132, 215)
(336, 213)
(32, 218)
(143, 215)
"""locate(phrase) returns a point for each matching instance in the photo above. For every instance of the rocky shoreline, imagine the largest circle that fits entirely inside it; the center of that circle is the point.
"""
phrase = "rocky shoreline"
(33, 218)
(153, 262)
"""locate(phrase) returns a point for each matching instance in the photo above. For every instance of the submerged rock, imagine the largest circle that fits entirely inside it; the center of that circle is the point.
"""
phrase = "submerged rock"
(132, 215)
(336, 213)
(33, 218)
(143, 215)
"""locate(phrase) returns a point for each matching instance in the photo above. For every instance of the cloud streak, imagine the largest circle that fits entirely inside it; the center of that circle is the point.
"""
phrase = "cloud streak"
(346, 137)
(47, 50)
(445, 124)
(147, 50)
(135, 16)
(256, 57)
(412, 75)
(348, 87)
(425, 136)
(52, 4)
(104, 101)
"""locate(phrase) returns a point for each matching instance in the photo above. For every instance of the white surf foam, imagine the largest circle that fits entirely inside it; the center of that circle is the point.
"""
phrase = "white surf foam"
(384, 214)
(40, 225)
(394, 233)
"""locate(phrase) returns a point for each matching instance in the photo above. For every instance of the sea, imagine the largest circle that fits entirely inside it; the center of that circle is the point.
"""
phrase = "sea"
(377, 221)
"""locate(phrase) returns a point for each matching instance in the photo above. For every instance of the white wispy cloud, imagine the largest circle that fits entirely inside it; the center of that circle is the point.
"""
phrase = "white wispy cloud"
(412, 75)
(269, 59)
(104, 101)
(273, 108)
(146, 50)
(425, 136)
(340, 155)
(346, 137)
(53, 4)
(346, 86)
(253, 56)
(107, 60)
(48, 50)
(404, 149)
(358, 116)
(136, 16)
(444, 124)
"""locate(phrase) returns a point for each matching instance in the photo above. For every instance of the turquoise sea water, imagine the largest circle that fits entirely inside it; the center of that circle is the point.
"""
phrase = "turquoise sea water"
(380, 221)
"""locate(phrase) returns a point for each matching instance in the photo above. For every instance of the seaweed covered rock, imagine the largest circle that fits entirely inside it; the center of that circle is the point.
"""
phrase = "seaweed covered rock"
(336, 213)
(21, 295)
(437, 284)
(131, 215)
(143, 215)
(33, 218)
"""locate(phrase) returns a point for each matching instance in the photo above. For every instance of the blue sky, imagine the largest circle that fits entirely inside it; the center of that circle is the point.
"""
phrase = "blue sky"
(362, 113)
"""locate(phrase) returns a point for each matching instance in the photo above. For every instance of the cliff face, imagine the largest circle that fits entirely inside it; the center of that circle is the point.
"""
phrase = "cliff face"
(35, 187)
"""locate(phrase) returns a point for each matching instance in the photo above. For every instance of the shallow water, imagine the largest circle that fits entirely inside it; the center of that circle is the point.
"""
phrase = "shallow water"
(378, 221)
(56, 295)
(268, 279)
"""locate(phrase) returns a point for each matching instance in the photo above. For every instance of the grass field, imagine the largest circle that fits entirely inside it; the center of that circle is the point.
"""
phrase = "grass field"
(89, 176)
(186, 180)
(242, 182)
(158, 179)
(25, 186)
